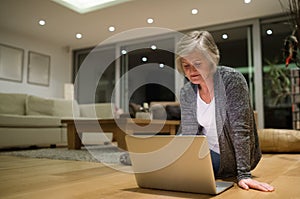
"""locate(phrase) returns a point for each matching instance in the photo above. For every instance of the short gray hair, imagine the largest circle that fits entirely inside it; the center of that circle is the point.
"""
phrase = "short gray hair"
(201, 40)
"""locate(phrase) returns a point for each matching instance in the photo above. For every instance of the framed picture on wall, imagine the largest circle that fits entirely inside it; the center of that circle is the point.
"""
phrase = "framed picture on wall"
(11, 63)
(38, 71)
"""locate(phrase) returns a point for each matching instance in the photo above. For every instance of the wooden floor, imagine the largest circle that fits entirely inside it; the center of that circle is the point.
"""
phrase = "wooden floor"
(41, 178)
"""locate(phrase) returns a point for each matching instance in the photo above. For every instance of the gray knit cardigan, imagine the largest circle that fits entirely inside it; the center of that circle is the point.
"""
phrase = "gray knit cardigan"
(237, 133)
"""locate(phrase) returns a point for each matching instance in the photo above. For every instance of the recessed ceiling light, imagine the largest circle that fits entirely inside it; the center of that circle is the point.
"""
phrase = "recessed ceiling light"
(144, 59)
(153, 47)
(247, 1)
(269, 32)
(111, 28)
(194, 11)
(42, 22)
(150, 20)
(78, 35)
(224, 36)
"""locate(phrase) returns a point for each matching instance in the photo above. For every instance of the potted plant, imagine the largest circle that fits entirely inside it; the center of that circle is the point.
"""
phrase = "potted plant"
(279, 86)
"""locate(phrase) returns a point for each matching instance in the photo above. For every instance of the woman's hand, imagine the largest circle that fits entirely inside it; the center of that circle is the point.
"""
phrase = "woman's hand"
(253, 184)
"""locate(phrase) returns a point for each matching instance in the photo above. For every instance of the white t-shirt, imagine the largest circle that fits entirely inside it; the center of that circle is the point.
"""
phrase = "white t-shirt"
(206, 118)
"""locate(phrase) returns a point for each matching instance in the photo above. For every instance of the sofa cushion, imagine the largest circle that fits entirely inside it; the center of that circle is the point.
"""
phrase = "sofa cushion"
(65, 108)
(173, 112)
(169, 110)
(133, 109)
(165, 103)
(279, 140)
(158, 112)
(39, 106)
(7, 120)
(12, 103)
(98, 110)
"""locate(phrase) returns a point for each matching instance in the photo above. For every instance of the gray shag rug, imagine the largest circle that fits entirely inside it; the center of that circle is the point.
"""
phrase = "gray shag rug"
(108, 154)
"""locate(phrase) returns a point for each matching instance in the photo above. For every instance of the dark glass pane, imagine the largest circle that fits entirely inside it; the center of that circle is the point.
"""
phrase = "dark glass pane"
(152, 79)
(276, 77)
(234, 52)
(99, 66)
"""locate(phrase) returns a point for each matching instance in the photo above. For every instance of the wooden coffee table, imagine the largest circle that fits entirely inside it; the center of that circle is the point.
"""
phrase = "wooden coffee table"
(119, 128)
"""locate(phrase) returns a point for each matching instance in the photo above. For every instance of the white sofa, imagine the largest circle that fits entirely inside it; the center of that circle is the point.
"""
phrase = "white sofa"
(27, 120)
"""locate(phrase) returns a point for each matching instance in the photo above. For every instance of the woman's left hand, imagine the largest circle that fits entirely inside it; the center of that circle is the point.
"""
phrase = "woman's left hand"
(253, 184)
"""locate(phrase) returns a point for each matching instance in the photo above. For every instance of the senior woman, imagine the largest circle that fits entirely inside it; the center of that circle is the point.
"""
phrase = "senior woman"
(215, 102)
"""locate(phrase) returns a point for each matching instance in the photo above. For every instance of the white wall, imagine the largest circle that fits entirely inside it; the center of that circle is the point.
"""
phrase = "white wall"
(60, 66)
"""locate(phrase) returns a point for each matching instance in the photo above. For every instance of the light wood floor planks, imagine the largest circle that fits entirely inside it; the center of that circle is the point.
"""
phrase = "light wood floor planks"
(43, 178)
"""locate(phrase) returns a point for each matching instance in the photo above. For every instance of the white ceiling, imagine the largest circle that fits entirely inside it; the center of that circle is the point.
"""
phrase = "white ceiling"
(21, 17)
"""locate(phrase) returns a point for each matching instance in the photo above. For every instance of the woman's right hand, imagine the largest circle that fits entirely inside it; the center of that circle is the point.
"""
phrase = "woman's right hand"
(253, 184)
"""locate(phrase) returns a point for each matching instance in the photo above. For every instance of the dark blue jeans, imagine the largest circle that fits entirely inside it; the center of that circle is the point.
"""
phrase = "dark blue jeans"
(215, 158)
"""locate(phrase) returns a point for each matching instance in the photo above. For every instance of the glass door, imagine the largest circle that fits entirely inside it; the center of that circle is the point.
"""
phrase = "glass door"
(147, 72)
(94, 75)
(235, 46)
(276, 76)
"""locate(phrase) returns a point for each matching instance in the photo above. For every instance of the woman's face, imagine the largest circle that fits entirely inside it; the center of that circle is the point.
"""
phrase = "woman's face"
(196, 67)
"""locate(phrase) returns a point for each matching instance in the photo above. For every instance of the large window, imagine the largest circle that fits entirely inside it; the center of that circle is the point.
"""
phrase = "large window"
(236, 51)
(276, 84)
(94, 75)
(145, 68)
(147, 71)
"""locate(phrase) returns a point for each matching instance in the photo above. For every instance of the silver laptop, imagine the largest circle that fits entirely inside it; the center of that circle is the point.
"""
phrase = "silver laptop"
(177, 163)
